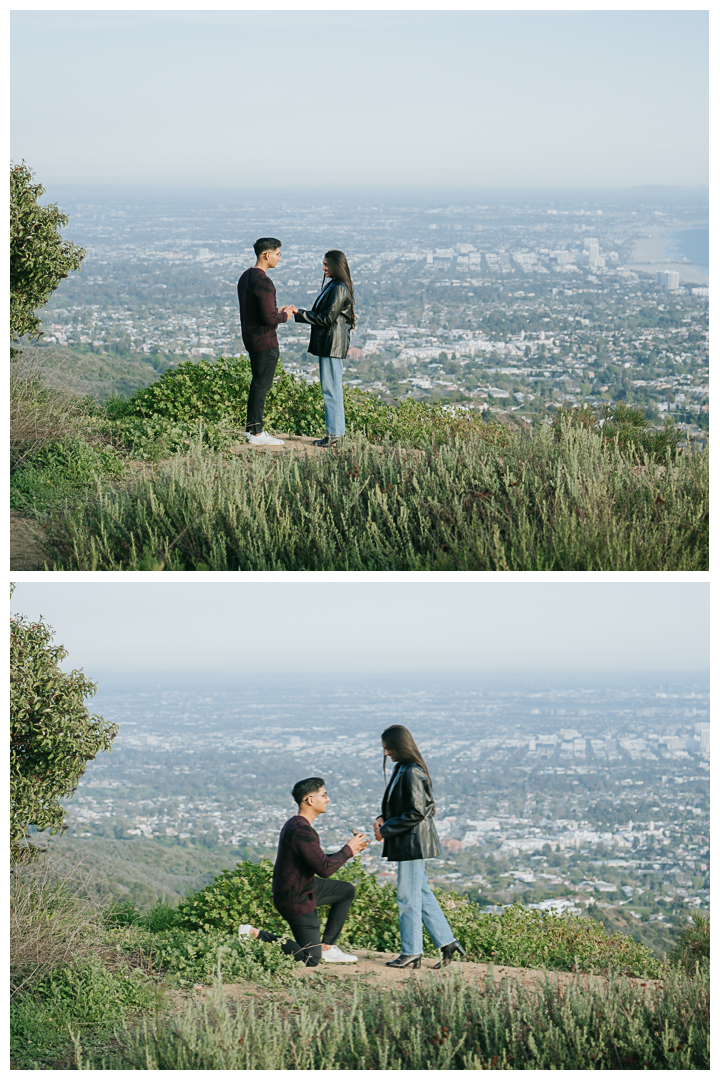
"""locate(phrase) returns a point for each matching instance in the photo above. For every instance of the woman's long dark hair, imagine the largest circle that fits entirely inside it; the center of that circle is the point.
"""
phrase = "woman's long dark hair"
(398, 739)
(340, 271)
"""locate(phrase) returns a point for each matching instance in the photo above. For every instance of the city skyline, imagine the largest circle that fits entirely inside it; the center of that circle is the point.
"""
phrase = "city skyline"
(453, 100)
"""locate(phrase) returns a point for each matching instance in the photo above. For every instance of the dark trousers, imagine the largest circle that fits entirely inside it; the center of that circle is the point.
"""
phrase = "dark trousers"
(263, 366)
(305, 929)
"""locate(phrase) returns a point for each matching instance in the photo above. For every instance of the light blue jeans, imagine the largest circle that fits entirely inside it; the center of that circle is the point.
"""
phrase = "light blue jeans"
(331, 372)
(417, 905)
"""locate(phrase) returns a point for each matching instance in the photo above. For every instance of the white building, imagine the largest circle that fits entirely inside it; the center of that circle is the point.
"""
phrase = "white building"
(668, 279)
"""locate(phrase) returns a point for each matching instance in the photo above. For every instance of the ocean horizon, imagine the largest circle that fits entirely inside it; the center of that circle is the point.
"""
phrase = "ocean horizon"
(691, 244)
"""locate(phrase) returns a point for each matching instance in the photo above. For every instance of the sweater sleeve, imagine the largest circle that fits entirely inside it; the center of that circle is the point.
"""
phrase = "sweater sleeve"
(267, 301)
(306, 844)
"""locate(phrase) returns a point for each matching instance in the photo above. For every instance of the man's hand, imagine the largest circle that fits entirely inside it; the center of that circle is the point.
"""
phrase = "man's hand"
(376, 827)
(358, 843)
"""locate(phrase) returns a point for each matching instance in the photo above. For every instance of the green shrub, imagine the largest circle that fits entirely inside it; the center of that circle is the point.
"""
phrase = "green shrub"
(521, 937)
(539, 503)
(244, 895)
(693, 947)
(627, 426)
(517, 937)
(84, 996)
(241, 895)
(209, 400)
(436, 1023)
(193, 956)
(122, 913)
(59, 470)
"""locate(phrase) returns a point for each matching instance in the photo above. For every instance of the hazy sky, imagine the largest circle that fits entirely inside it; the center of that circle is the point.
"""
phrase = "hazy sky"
(254, 629)
(377, 99)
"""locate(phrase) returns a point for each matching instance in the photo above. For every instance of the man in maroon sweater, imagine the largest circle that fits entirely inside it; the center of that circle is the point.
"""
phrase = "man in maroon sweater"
(297, 892)
(259, 319)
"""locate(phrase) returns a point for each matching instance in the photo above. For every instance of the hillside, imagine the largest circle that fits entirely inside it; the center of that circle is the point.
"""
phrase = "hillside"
(141, 871)
(160, 482)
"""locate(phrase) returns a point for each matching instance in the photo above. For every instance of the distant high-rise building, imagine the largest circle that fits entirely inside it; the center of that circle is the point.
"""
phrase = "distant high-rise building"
(668, 279)
(591, 247)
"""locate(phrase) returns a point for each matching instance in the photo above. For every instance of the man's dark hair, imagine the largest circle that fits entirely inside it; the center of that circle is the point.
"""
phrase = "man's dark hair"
(266, 243)
(303, 788)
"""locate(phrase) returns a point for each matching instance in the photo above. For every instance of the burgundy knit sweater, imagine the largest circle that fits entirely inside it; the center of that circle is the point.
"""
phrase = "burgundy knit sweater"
(259, 315)
(299, 859)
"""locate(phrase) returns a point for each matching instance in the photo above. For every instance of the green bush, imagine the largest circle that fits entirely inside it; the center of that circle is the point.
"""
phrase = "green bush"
(84, 996)
(244, 895)
(520, 937)
(539, 503)
(60, 470)
(517, 937)
(627, 426)
(241, 895)
(193, 956)
(693, 947)
(435, 1023)
(122, 913)
(209, 400)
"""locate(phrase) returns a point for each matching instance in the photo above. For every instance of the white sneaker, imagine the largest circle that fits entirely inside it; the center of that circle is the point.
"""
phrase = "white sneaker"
(263, 439)
(333, 955)
(245, 929)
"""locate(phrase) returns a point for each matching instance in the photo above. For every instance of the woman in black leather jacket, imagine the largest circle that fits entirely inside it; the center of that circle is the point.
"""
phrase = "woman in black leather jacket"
(332, 318)
(406, 825)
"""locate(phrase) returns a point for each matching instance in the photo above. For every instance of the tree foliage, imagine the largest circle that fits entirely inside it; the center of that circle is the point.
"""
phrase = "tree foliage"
(39, 257)
(52, 734)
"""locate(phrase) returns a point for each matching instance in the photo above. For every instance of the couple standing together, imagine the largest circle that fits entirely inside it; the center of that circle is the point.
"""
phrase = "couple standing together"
(331, 318)
(405, 825)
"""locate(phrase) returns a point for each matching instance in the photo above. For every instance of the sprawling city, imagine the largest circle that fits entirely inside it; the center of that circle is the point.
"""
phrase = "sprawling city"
(511, 305)
(587, 796)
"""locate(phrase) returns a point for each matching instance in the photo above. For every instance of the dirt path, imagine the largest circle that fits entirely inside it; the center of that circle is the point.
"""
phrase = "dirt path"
(371, 970)
(300, 444)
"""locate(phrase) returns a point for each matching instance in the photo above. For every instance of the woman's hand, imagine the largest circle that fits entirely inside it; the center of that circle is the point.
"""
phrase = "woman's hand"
(376, 827)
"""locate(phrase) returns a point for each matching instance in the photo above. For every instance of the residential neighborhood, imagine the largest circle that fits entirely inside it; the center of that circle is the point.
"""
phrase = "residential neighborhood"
(512, 308)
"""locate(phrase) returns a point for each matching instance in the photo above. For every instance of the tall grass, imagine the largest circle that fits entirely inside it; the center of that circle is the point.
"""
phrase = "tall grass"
(53, 920)
(564, 499)
(434, 1023)
(45, 405)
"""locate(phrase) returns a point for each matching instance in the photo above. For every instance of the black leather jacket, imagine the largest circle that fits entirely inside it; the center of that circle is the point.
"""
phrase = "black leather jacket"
(408, 827)
(330, 320)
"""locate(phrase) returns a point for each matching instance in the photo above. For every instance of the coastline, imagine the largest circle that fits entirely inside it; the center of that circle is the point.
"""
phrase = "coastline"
(648, 255)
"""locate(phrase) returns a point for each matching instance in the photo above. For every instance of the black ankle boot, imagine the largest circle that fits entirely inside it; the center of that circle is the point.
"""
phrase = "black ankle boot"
(448, 952)
(406, 960)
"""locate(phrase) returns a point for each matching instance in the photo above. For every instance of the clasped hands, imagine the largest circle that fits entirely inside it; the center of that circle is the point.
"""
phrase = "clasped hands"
(289, 309)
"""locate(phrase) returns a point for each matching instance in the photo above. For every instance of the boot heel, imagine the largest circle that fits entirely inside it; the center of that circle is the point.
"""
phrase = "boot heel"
(417, 963)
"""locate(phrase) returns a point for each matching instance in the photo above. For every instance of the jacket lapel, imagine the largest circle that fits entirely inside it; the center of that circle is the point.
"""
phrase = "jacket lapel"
(322, 293)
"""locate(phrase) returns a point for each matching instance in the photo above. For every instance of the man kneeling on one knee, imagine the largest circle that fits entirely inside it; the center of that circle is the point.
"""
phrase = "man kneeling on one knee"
(298, 893)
